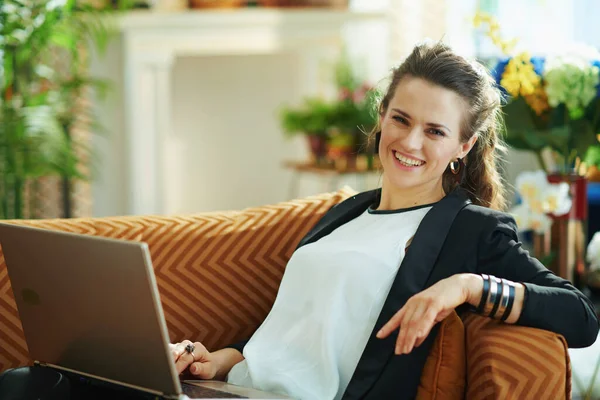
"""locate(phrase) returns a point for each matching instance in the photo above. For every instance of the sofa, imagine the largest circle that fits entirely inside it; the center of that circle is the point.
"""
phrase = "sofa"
(218, 275)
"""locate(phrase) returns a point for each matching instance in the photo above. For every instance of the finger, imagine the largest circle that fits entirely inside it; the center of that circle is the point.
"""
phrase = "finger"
(392, 324)
(184, 359)
(202, 370)
(425, 324)
(200, 354)
(408, 326)
(410, 342)
(178, 349)
(414, 326)
(173, 351)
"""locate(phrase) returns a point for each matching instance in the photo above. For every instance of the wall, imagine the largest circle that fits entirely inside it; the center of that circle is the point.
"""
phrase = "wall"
(226, 148)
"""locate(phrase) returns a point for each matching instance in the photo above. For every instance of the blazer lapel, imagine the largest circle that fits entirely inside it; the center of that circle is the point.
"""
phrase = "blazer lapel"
(340, 214)
(412, 277)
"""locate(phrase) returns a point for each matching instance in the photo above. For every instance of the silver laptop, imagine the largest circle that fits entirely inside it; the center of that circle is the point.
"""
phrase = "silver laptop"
(90, 306)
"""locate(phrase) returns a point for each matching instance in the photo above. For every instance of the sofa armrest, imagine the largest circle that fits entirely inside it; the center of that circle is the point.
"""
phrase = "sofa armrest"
(514, 362)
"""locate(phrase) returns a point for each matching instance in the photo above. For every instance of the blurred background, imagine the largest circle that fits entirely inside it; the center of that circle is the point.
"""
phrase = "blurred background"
(176, 106)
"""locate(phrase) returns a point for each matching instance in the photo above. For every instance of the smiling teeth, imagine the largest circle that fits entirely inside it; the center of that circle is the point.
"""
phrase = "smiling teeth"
(408, 161)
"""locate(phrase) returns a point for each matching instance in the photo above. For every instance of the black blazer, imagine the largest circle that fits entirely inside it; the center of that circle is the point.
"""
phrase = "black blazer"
(455, 237)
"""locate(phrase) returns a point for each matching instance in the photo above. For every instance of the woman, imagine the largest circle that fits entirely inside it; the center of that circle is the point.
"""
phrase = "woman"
(359, 303)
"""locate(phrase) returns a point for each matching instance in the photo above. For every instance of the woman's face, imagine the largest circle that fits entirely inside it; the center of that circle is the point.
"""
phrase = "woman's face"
(420, 135)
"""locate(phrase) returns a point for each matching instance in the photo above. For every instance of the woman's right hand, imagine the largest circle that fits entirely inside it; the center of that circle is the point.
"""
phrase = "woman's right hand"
(200, 363)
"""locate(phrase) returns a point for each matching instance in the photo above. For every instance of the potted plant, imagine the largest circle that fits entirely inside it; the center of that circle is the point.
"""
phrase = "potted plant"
(336, 128)
(340, 149)
(42, 82)
(313, 120)
(355, 116)
(356, 105)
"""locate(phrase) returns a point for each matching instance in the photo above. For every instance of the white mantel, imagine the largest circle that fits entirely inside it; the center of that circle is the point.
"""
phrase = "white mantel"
(151, 41)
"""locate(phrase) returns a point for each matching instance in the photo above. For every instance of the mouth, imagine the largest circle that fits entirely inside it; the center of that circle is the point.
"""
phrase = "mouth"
(407, 162)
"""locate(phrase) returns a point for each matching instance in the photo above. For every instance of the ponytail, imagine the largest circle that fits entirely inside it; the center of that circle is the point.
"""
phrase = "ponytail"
(480, 176)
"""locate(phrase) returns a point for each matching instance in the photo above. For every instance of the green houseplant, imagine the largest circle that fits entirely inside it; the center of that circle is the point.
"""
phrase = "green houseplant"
(356, 106)
(312, 119)
(336, 128)
(43, 78)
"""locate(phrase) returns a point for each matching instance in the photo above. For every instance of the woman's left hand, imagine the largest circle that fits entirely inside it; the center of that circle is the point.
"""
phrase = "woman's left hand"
(425, 309)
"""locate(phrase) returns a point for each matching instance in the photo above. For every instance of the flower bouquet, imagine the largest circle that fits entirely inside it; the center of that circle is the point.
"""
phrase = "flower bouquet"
(552, 109)
(552, 103)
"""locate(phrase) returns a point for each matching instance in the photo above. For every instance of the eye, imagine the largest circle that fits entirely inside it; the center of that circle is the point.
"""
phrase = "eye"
(400, 119)
(437, 132)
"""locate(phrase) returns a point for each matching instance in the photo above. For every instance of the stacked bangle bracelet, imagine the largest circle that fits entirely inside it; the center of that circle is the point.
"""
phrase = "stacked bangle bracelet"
(497, 298)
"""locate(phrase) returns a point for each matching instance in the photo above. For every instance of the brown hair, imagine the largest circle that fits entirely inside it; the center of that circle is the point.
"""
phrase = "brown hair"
(438, 64)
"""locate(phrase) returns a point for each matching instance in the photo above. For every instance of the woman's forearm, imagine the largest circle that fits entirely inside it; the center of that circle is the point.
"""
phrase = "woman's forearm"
(474, 288)
(225, 359)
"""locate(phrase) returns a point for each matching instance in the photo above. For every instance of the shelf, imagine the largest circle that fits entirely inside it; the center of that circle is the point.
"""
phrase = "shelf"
(240, 17)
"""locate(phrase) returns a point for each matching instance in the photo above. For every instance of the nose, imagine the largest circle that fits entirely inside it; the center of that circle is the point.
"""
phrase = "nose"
(413, 139)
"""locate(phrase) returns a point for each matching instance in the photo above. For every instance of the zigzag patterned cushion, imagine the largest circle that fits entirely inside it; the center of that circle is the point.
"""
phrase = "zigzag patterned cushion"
(514, 362)
(217, 273)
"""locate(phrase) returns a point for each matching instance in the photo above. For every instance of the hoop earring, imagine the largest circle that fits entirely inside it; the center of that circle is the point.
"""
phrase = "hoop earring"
(377, 140)
(455, 166)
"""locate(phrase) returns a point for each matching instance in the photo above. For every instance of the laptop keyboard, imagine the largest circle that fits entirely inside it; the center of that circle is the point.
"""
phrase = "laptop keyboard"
(199, 392)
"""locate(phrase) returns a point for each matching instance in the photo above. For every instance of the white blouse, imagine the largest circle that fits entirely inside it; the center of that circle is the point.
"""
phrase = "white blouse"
(330, 297)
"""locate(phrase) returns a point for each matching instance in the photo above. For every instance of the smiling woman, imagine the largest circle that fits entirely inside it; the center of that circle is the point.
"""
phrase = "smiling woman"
(362, 295)
(429, 120)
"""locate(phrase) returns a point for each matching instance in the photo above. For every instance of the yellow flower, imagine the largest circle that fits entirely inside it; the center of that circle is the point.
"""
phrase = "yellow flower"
(529, 190)
(508, 46)
(538, 100)
(519, 77)
(493, 31)
(537, 206)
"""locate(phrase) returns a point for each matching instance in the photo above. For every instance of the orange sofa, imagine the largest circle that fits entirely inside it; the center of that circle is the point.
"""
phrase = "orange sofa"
(218, 275)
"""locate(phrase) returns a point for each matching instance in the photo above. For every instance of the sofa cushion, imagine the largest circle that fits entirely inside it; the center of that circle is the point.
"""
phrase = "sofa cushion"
(217, 273)
(514, 362)
(444, 373)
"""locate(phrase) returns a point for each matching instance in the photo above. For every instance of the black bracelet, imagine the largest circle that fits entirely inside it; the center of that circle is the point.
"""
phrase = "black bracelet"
(498, 297)
(491, 300)
(511, 300)
(484, 294)
(503, 300)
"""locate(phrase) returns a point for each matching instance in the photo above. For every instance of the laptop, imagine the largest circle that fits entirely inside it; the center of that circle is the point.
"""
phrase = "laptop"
(90, 307)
